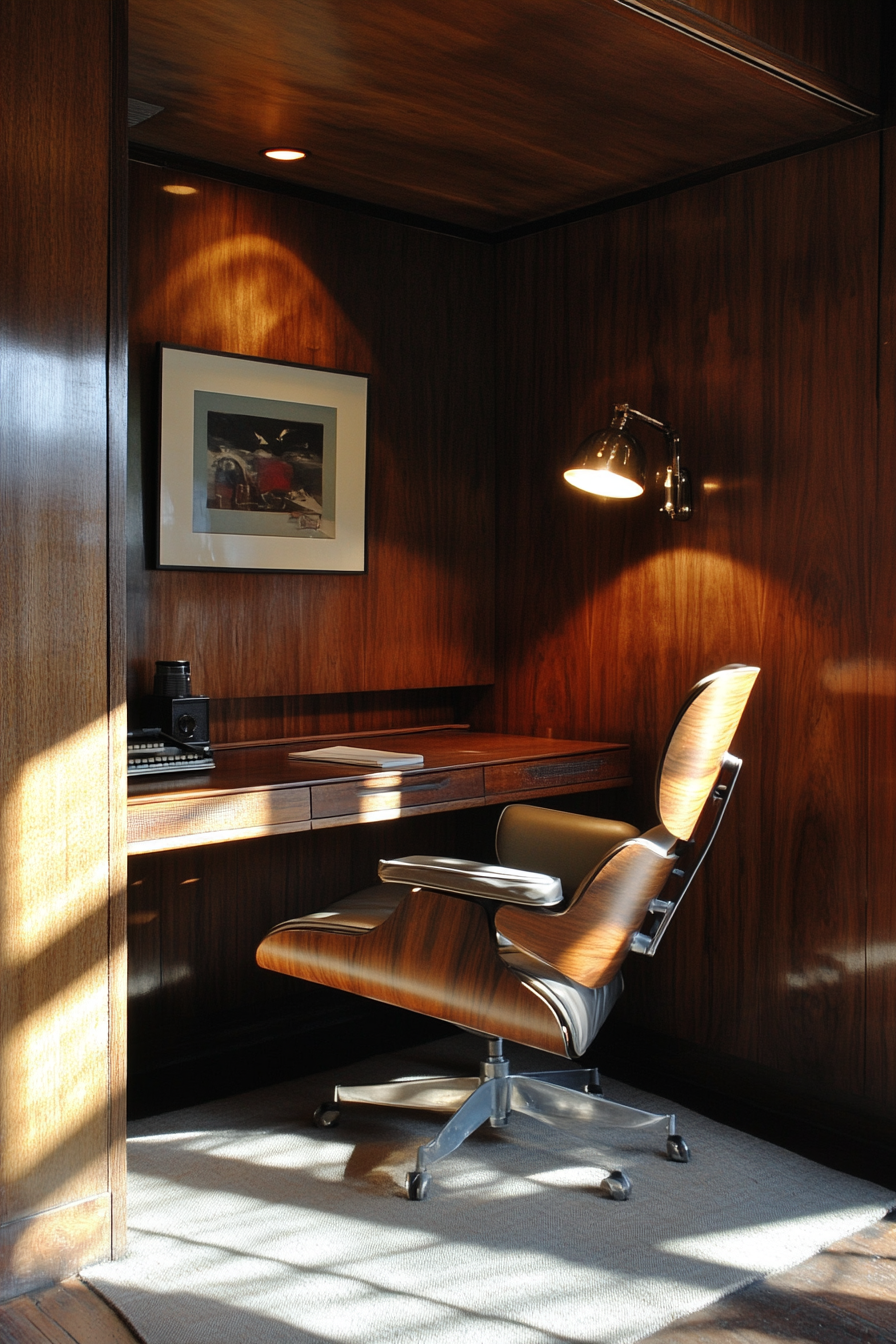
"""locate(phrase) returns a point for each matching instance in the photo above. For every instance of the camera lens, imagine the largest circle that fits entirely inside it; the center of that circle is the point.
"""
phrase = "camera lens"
(172, 678)
(186, 725)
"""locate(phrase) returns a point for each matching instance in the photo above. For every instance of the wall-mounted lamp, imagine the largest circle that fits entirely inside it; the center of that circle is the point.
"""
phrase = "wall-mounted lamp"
(612, 463)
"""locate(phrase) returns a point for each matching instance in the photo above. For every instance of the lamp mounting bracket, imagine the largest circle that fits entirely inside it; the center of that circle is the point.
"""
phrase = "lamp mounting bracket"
(678, 503)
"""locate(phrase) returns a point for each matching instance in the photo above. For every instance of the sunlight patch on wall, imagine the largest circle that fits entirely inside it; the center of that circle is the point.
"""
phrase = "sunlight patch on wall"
(54, 945)
(838, 965)
(859, 676)
(236, 293)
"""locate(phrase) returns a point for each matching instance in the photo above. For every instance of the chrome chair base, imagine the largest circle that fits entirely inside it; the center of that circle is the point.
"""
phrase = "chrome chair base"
(569, 1099)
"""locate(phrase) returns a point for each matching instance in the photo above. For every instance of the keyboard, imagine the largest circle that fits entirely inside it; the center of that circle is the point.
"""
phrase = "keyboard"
(150, 752)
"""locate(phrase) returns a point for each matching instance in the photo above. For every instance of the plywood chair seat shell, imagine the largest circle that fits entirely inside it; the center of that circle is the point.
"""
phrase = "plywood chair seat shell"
(434, 953)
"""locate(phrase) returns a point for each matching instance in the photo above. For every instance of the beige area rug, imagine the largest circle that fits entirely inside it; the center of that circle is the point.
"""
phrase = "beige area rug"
(249, 1226)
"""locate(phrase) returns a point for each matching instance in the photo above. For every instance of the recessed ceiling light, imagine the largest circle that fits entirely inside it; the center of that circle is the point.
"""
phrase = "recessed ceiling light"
(284, 155)
(174, 189)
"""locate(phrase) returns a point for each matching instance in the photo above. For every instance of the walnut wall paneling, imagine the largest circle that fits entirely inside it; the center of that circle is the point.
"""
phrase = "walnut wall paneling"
(270, 717)
(234, 269)
(879, 963)
(743, 312)
(61, 472)
(840, 37)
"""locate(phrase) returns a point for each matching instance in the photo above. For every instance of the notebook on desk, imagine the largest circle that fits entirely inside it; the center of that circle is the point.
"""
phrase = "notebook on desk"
(365, 756)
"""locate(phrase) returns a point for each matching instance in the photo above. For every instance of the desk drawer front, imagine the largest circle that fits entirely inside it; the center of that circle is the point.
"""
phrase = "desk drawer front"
(364, 797)
(553, 774)
(206, 816)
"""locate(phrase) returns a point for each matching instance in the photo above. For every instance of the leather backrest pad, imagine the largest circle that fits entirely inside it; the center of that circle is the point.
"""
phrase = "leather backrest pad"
(561, 844)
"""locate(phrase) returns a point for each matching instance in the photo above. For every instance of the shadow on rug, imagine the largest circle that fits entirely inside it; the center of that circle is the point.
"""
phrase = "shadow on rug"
(249, 1226)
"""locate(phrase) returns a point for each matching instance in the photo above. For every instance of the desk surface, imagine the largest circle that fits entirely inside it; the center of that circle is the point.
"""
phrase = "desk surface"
(257, 789)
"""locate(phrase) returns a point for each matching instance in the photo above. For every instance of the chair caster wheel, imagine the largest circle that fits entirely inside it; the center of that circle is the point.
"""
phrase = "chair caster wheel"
(594, 1089)
(417, 1184)
(617, 1185)
(327, 1115)
(676, 1149)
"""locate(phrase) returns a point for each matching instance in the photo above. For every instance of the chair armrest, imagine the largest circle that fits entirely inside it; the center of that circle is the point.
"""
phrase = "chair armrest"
(462, 877)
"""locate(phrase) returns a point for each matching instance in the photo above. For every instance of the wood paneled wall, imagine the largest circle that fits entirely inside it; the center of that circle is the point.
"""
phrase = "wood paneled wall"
(880, 950)
(233, 269)
(745, 313)
(62, 456)
(839, 37)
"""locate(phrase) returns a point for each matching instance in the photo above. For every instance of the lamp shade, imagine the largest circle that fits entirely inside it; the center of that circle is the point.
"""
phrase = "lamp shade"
(610, 463)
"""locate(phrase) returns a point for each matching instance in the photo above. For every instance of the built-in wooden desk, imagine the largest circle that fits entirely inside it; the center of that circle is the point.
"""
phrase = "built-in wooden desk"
(256, 789)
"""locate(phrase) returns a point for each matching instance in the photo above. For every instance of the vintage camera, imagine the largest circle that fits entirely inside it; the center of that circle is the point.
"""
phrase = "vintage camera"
(173, 708)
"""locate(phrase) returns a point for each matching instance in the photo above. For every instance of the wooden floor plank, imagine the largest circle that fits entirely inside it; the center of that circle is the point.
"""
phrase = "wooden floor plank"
(83, 1313)
(23, 1322)
(68, 1313)
(844, 1295)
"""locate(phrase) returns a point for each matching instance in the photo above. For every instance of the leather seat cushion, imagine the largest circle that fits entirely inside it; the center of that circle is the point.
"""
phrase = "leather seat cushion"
(566, 845)
(358, 913)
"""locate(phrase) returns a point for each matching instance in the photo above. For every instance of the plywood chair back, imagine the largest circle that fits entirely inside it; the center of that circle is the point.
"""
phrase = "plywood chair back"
(699, 738)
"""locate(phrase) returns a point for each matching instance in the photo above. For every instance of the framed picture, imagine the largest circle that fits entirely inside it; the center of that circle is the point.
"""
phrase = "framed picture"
(262, 464)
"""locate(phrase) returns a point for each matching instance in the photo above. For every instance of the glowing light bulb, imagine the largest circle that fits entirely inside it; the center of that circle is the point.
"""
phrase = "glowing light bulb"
(284, 155)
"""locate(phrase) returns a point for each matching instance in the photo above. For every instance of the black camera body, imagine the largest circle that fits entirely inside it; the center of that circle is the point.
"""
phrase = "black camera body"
(173, 708)
(183, 717)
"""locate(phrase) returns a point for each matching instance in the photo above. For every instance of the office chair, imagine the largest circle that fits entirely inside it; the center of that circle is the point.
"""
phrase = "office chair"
(529, 949)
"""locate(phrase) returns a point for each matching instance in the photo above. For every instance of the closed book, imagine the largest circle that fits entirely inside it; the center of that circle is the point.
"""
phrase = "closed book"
(360, 756)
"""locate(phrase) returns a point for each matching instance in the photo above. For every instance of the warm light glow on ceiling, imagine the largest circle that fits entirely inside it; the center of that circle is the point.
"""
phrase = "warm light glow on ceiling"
(173, 189)
(284, 155)
(605, 483)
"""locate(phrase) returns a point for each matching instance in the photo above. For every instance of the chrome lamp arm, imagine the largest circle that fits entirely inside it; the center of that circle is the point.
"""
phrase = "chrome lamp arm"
(677, 482)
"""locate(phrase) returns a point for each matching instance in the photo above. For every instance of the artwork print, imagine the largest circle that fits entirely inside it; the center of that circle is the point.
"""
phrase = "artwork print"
(263, 468)
(262, 464)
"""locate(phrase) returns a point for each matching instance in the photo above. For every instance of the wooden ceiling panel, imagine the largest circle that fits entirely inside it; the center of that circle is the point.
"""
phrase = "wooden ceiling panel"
(486, 115)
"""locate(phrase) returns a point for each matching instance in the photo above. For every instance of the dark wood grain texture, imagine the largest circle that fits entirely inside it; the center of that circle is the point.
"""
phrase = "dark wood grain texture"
(263, 719)
(876, 962)
(742, 312)
(839, 36)
(61, 349)
(436, 954)
(257, 274)
(265, 790)
(408, 106)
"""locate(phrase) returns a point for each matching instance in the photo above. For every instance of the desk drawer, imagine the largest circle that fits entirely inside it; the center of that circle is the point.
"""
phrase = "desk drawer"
(196, 821)
(553, 774)
(393, 793)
